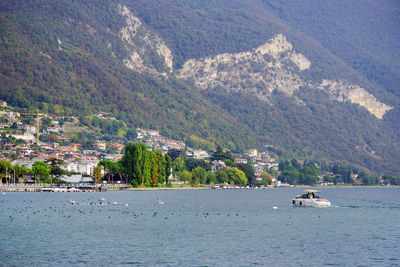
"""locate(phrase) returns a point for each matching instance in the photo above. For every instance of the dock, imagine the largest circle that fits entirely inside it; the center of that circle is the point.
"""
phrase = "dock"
(82, 187)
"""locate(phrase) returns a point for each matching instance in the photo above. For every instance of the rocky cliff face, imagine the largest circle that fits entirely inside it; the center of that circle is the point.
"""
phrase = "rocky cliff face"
(272, 66)
(147, 51)
(345, 91)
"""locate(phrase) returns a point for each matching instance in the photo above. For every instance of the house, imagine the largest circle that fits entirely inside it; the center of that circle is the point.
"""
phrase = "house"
(258, 172)
(30, 128)
(153, 133)
(81, 166)
(252, 153)
(63, 138)
(200, 154)
(101, 145)
(141, 133)
(115, 146)
(53, 129)
(91, 152)
(217, 165)
(175, 144)
(240, 160)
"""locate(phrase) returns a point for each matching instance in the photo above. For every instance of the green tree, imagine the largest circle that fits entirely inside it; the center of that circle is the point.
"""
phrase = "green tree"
(236, 176)
(192, 163)
(131, 134)
(290, 177)
(211, 178)
(14, 126)
(55, 169)
(176, 153)
(248, 170)
(168, 167)
(199, 176)
(21, 172)
(220, 154)
(179, 165)
(185, 176)
(42, 170)
(222, 176)
(5, 169)
(135, 163)
(161, 166)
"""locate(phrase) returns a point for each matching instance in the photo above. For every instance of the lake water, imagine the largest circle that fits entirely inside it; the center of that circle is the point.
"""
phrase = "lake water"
(200, 228)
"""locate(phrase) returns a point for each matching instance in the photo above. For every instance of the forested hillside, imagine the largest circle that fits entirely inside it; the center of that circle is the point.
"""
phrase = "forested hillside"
(77, 58)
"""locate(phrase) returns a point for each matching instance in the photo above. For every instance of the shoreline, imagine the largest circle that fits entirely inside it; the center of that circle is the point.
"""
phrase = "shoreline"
(188, 187)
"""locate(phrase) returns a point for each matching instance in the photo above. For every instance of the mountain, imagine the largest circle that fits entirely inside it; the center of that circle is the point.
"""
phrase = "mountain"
(314, 79)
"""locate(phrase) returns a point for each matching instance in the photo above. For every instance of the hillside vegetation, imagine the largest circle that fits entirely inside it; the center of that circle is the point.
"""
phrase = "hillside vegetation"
(68, 57)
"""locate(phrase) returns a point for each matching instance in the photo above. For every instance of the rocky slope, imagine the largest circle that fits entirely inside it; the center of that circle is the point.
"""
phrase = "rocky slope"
(272, 66)
(147, 51)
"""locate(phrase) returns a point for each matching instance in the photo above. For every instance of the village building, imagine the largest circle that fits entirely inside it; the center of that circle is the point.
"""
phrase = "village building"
(53, 129)
(81, 166)
(198, 154)
(240, 160)
(217, 165)
(63, 138)
(101, 145)
(115, 146)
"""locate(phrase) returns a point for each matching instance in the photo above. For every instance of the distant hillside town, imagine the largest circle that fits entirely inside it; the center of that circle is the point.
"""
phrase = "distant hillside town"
(84, 144)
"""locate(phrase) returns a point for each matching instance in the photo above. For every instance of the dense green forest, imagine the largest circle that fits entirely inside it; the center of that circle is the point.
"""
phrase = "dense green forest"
(65, 58)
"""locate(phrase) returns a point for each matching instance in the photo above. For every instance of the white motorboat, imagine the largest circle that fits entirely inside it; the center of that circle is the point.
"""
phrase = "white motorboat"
(310, 199)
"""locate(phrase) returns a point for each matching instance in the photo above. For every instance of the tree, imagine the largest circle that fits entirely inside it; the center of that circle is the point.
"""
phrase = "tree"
(199, 176)
(295, 164)
(266, 178)
(192, 163)
(97, 174)
(21, 172)
(290, 177)
(185, 176)
(248, 170)
(236, 176)
(55, 169)
(40, 168)
(176, 153)
(161, 166)
(5, 169)
(134, 163)
(222, 176)
(271, 171)
(178, 165)
(131, 134)
(220, 154)
(168, 167)
(211, 178)
(112, 168)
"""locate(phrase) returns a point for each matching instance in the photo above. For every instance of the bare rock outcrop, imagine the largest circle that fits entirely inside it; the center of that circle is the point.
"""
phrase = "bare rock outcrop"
(272, 66)
(345, 91)
(147, 51)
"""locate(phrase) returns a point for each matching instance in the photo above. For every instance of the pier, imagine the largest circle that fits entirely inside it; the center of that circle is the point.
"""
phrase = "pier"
(80, 187)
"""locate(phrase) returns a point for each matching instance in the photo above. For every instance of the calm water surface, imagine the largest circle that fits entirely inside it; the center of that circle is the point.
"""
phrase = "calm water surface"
(200, 228)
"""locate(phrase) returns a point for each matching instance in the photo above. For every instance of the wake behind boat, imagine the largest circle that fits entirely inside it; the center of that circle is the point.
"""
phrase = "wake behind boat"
(310, 199)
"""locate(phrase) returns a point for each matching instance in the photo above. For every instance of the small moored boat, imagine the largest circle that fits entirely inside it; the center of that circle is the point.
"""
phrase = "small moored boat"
(310, 199)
